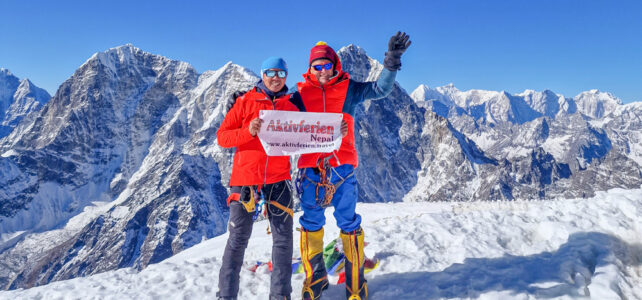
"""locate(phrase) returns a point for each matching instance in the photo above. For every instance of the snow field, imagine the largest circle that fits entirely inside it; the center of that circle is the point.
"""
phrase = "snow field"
(562, 249)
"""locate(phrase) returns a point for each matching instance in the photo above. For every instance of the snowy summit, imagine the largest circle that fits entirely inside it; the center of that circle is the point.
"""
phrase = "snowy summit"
(564, 249)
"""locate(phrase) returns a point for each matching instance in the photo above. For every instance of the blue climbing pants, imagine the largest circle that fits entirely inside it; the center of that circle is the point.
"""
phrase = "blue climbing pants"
(344, 199)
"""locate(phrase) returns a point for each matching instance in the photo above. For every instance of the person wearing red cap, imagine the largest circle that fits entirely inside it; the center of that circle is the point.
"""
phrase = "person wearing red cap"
(254, 176)
(327, 178)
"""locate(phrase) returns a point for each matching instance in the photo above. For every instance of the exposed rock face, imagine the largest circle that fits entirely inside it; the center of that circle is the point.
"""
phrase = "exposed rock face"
(131, 129)
(548, 146)
(18, 99)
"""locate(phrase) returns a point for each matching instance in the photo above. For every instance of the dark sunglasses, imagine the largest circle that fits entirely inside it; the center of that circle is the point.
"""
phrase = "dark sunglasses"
(271, 73)
(327, 66)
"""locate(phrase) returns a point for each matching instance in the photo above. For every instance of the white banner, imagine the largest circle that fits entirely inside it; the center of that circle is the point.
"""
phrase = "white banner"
(293, 132)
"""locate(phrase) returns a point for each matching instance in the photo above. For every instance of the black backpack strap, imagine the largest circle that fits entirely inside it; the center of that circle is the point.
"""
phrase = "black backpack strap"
(297, 101)
(232, 100)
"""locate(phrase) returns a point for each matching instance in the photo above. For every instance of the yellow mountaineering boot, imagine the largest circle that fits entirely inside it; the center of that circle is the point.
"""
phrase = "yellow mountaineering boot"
(316, 277)
(356, 288)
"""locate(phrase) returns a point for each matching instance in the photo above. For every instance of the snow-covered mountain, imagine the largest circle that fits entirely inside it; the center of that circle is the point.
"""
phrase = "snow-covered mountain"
(493, 107)
(121, 167)
(18, 98)
(624, 126)
(136, 132)
(596, 104)
(544, 132)
(549, 249)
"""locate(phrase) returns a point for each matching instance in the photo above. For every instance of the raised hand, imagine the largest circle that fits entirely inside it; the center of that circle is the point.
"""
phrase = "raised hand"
(397, 45)
(399, 42)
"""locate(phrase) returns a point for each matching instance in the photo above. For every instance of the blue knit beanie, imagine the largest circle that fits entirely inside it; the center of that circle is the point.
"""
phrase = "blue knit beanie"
(274, 63)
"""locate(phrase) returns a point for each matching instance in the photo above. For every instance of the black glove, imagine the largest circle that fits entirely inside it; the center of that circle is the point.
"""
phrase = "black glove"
(396, 47)
(230, 102)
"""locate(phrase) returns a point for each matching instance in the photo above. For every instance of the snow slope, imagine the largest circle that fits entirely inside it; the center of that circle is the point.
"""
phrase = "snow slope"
(557, 249)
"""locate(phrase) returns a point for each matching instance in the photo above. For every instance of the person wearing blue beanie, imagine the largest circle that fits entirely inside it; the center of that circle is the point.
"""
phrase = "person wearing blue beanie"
(257, 176)
(274, 62)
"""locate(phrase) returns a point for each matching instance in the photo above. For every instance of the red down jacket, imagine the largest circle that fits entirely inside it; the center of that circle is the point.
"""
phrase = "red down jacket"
(251, 166)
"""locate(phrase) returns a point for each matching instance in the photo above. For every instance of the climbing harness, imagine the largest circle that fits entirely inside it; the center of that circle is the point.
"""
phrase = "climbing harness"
(258, 205)
(249, 204)
(325, 182)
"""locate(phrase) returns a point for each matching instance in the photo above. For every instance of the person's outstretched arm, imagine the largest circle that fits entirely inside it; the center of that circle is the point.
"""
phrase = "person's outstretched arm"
(373, 90)
(361, 91)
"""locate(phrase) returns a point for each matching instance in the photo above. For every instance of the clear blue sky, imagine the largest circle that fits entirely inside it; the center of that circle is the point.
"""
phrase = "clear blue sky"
(567, 46)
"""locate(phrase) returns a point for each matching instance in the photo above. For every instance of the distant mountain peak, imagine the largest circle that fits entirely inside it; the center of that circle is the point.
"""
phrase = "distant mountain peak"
(358, 64)
(129, 47)
(351, 47)
(18, 98)
(596, 92)
(352, 51)
(128, 54)
(592, 103)
(231, 66)
(26, 82)
(604, 96)
(228, 67)
(120, 52)
(209, 78)
(597, 104)
(5, 72)
(449, 87)
(27, 88)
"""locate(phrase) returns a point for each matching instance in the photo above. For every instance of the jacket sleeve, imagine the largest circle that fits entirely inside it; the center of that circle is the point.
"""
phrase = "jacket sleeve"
(231, 133)
(374, 90)
(371, 90)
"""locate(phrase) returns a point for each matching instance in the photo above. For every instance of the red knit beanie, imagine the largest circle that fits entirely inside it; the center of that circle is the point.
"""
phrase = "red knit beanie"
(322, 50)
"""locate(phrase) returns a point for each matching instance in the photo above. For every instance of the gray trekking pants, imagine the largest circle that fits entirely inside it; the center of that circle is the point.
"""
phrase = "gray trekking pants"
(240, 229)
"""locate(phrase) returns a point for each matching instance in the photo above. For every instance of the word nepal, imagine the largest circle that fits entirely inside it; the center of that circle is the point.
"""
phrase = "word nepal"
(289, 126)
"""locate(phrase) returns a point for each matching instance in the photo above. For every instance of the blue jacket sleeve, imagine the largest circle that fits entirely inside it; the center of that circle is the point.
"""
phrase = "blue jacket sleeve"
(372, 90)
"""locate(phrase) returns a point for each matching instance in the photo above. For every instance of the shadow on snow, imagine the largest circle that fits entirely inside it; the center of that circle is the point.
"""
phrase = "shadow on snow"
(565, 272)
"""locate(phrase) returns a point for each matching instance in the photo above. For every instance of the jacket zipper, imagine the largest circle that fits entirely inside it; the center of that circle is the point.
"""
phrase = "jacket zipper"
(267, 157)
(333, 152)
(323, 93)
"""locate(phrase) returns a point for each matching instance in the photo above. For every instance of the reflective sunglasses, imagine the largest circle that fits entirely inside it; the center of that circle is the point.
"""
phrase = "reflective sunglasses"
(271, 73)
(327, 66)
